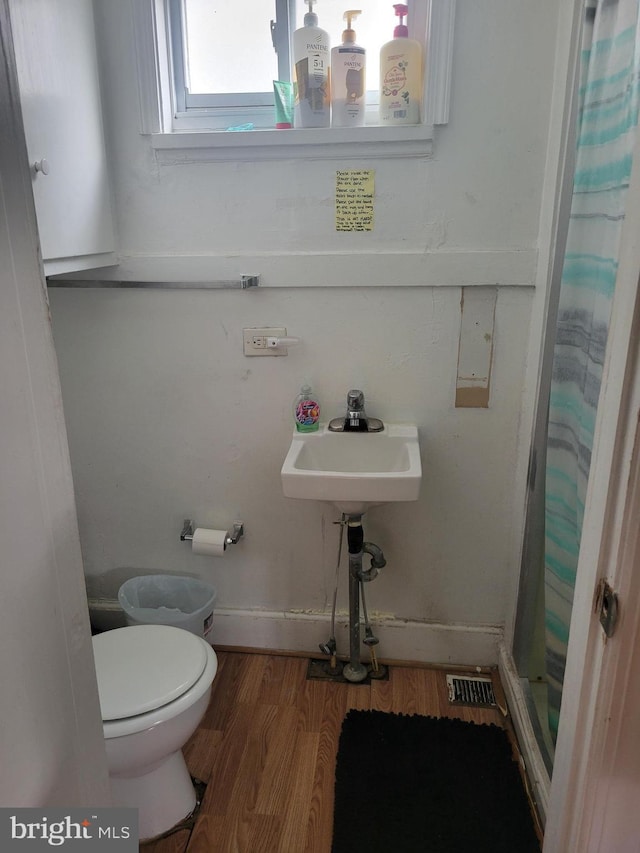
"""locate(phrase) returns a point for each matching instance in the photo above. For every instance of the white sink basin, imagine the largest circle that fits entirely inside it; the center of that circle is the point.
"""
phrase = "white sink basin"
(354, 470)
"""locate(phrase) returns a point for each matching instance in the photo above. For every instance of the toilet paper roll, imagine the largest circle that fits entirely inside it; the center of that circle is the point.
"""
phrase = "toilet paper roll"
(211, 543)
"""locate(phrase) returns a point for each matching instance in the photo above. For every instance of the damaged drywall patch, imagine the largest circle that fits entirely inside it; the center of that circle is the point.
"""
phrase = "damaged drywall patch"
(475, 350)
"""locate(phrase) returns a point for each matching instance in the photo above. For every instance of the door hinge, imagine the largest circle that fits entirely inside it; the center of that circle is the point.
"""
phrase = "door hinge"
(606, 606)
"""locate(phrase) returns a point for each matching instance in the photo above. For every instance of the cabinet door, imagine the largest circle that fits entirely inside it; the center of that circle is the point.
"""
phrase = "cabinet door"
(57, 66)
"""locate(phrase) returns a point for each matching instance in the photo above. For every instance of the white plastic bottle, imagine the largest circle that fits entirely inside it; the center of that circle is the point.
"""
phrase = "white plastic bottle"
(348, 78)
(400, 76)
(311, 73)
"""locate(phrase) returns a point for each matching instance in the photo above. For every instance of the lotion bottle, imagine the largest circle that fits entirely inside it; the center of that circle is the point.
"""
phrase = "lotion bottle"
(311, 73)
(400, 76)
(348, 78)
(306, 411)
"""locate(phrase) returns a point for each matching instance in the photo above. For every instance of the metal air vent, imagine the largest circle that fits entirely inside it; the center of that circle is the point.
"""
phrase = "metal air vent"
(471, 690)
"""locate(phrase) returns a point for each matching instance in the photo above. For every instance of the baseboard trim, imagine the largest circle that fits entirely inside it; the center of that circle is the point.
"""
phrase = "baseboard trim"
(534, 763)
(297, 631)
(399, 639)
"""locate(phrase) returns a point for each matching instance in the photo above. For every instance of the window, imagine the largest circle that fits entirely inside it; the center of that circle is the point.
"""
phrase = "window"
(225, 56)
(204, 66)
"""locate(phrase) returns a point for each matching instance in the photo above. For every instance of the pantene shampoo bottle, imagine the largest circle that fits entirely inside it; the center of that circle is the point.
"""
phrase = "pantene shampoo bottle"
(400, 76)
(348, 78)
(311, 74)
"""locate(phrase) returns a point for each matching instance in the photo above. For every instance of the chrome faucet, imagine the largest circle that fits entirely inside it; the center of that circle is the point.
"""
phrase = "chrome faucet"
(356, 418)
(355, 409)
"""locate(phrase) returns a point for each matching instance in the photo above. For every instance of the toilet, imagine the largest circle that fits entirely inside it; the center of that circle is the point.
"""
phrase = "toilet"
(154, 683)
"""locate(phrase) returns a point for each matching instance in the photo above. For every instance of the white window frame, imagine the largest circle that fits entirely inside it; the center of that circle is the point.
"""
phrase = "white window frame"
(161, 120)
(217, 111)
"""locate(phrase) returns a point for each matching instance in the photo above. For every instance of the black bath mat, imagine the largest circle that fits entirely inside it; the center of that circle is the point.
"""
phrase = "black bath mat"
(412, 784)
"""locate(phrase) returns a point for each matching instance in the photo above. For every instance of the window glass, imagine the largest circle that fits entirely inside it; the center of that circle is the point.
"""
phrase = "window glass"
(228, 47)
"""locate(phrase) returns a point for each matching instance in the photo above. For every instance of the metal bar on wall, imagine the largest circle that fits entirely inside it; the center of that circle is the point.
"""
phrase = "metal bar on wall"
(243, 283)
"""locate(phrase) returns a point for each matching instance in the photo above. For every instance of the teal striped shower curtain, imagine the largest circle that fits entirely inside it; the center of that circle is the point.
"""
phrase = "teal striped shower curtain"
(606, 126)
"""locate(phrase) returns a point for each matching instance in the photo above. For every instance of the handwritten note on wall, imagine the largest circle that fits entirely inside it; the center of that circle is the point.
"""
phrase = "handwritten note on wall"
(354, 200)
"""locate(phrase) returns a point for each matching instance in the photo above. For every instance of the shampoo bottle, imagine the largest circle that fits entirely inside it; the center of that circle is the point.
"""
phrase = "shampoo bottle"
(311, 74)
(400, 76)
(306, 411)
(348, 78)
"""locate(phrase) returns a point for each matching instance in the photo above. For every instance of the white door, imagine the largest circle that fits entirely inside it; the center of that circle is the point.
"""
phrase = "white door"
(611, 815)
(51, 744)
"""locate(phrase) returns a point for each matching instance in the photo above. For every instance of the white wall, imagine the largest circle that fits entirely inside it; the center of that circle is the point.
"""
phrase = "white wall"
(167, 418)
(481, 191)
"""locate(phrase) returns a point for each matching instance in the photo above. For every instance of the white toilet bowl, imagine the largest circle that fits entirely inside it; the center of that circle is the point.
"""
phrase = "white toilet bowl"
(154, 683)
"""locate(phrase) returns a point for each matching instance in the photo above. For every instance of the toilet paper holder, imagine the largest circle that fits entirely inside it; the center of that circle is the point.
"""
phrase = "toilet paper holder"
(234, 534)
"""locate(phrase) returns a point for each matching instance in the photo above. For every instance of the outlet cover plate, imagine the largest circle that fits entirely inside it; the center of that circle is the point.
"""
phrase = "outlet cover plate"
(255, 340)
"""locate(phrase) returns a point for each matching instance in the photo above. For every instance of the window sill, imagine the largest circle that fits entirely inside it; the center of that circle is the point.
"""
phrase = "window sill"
(301, 143)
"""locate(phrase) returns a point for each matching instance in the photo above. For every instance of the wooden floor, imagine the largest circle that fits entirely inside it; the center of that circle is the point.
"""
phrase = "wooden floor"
(267, 750)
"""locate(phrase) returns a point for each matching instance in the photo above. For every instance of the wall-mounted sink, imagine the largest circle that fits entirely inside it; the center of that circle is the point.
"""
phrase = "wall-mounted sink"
(354, 470)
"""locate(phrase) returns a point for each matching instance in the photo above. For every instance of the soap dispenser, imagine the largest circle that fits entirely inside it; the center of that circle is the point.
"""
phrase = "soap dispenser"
(306, 411)
(348, 78)
(311, 73)
(400, 75)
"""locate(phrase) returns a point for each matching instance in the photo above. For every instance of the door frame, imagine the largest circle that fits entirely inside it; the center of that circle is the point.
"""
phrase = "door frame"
(528, 537)
(557, 200)
(606, 540)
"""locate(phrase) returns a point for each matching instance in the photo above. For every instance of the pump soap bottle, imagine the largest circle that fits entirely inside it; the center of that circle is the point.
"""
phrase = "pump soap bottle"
(348, 78)
(400, 76)
(306, 411)
(311, 73)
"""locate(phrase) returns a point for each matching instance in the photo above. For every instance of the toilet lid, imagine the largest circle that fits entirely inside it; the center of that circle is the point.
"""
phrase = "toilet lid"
(143, 667)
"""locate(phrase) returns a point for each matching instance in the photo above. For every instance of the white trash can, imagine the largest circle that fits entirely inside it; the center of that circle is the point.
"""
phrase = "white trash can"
(169, 600)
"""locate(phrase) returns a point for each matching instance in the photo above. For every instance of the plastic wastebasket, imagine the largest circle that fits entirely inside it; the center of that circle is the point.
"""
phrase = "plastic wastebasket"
(169, 600)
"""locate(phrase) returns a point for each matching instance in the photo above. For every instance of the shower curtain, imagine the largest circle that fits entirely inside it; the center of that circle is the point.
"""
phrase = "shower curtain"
(606, 125)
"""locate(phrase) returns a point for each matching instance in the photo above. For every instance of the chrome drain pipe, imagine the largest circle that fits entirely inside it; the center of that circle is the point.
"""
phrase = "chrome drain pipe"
(355, 670)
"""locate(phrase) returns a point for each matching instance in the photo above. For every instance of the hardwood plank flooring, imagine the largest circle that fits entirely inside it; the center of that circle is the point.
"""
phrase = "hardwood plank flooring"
(267, 750)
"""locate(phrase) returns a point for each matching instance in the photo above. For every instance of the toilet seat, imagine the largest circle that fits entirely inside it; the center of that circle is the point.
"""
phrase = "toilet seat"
(143, 668)
(159, 667)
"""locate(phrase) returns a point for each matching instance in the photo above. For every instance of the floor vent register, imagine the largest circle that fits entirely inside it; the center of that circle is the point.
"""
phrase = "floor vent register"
(471, 690)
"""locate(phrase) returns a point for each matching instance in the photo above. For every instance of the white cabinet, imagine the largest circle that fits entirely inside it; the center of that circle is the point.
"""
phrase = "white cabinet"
(55, 49)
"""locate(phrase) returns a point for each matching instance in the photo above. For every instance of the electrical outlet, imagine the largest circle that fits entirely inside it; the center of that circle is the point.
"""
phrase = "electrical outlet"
(255, 341)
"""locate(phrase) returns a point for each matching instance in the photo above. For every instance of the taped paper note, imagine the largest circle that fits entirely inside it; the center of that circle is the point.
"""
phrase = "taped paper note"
(354, 200)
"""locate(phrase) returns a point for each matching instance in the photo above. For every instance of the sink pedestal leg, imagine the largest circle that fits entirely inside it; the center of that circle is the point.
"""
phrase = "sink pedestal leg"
(354, 670)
